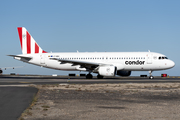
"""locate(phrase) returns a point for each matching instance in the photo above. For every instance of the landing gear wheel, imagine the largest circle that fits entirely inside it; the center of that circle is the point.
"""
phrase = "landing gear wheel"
(100, 77)
(151, 77)
(89, 76)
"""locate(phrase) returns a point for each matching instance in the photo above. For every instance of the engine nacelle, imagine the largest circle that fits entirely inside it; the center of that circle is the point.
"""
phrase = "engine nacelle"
(107, 70)
(123, 73)
(1, 71)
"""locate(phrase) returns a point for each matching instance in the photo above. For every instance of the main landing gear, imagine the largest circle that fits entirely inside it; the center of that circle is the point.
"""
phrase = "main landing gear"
(150, 75)
(89, 76)
(99, 76)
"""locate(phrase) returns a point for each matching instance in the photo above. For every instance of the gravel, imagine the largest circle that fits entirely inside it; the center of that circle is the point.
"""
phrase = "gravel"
(107, 102)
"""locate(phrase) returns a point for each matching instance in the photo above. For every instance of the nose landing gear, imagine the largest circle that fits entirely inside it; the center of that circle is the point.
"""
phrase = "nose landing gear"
(150, 75)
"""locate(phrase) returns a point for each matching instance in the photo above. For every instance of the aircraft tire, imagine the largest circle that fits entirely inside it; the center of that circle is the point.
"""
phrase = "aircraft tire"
(151, 77)
(99, 76)
(89, 76)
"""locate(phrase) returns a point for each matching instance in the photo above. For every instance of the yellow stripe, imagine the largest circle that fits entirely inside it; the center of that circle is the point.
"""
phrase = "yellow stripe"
(24, 82)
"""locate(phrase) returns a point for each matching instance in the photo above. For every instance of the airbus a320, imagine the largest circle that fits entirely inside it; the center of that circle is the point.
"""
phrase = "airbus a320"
(102, 63)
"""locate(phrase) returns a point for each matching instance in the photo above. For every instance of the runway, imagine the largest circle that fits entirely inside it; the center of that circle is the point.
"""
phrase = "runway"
(14, 80)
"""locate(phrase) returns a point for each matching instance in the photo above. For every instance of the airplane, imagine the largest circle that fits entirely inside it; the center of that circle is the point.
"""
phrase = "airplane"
(102, 63)
(1, 71)
(5, 68)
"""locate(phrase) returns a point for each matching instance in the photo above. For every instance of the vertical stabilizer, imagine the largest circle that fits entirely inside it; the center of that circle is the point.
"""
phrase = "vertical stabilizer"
(28, 44)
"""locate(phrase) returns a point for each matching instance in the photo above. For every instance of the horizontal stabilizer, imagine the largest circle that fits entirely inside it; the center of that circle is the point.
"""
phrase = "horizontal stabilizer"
(23, 58)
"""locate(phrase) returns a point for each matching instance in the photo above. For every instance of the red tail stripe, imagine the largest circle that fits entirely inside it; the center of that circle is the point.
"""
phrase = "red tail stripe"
(28, 43)
(44, 51)
(36, 48)
(20, 35)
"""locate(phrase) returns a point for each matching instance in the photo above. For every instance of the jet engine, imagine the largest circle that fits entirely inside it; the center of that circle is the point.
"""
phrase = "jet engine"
(1, 71)
(107, 70)
(123, 73)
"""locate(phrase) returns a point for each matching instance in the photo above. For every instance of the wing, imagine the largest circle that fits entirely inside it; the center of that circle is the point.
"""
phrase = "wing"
(83, 64)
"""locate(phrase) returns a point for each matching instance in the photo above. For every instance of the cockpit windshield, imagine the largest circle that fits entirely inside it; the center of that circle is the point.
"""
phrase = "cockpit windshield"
(162, 57)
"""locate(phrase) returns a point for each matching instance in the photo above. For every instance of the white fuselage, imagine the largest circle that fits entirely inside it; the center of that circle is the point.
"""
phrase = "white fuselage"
(130, 61)
(102, 63)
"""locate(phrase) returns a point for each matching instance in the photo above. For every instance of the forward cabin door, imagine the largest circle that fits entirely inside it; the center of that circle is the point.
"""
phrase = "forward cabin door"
(149, 58)
(42, 59)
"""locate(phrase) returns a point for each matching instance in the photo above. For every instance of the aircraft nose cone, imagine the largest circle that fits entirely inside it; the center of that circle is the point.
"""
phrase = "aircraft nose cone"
(171, 64)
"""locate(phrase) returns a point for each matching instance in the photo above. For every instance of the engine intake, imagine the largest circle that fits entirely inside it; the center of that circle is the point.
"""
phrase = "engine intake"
(107, 70)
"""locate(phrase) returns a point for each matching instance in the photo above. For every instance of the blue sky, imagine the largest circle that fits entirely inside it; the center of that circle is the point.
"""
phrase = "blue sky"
(91, 26)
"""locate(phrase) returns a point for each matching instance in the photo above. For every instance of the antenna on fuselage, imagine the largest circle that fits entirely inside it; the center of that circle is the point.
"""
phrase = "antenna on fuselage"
(149, 51)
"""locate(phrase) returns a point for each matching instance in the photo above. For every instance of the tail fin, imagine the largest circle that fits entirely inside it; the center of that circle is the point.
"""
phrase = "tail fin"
(28, 44)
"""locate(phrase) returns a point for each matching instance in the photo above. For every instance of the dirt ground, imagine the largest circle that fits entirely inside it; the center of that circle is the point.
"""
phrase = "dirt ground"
(156, 101)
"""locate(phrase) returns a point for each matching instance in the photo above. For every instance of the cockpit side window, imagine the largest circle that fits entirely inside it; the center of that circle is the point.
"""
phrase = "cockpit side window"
(162, 57)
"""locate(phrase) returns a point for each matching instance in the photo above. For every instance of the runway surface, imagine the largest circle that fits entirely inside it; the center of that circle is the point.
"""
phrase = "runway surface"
(14, 80)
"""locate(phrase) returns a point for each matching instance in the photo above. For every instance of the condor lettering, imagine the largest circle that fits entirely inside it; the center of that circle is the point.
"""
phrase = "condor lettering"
(134, 62)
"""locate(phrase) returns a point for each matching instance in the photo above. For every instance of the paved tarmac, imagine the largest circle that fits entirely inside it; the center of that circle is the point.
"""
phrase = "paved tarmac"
(14, 100)
(14, 80)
